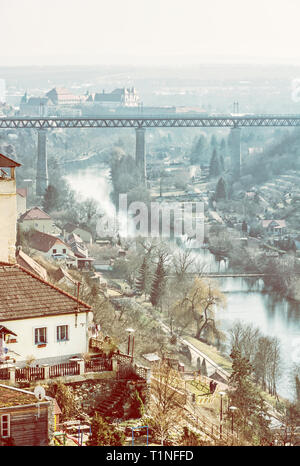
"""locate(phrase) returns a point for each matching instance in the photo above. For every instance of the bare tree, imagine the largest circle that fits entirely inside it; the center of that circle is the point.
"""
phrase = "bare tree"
(167, 399)
(200, 303)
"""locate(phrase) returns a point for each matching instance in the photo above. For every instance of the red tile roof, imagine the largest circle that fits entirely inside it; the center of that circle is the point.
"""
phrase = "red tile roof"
(44, 242)
(6, 162)
(30, 264)
(35, 213)
(24, 295)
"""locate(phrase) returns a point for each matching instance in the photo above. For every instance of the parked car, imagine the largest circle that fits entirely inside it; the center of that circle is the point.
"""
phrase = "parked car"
(59, 256)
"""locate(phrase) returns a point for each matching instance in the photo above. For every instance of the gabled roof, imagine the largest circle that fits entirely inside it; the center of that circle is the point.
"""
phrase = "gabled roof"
(62, 273)
(70, 227)
(276, 223)
(28, 263)
(6, 331)
(6, 162)
(73, 238)
(44, 242)
(24, 295)
(35, 213)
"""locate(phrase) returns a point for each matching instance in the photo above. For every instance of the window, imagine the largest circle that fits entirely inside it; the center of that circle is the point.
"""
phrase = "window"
(5, 425)
(40, 335)
(54, 251)
(64, 251)
(62, 333)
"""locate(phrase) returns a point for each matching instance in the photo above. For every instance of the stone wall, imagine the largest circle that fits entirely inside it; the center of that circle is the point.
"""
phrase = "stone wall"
(91, 393)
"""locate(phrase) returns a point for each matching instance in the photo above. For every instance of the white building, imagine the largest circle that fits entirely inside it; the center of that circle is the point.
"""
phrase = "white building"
(8, 209)
(49, 324)
(36, 219)
(49, 246)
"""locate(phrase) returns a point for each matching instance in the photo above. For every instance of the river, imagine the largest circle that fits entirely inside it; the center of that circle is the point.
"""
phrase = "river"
(247, 302)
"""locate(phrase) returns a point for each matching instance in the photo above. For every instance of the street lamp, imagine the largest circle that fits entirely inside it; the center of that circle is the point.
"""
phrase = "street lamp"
(232, 409)
(130, 331)
(221, 411)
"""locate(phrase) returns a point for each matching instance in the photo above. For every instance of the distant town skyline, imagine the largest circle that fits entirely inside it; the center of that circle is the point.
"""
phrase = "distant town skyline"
(140, 32)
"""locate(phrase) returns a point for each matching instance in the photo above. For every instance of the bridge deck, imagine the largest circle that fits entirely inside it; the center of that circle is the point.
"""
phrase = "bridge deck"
(150, 121)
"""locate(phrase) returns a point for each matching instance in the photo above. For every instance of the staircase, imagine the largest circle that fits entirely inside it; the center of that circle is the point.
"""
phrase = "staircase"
(108, 407)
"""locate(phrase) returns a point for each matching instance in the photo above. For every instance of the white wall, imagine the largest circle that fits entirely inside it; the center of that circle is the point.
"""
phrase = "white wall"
(8, 219)
(43, 225)
(59, 250)
(25, 330)
(21, 205)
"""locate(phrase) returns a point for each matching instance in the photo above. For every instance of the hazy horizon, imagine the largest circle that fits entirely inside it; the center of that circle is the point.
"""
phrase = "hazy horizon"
(143, 33)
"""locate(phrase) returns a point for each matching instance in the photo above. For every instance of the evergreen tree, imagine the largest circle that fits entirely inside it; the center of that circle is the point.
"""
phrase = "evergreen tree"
(141, 280)
(222, 163)
(251, 419)
(221, 190)
(158, 283)
(104, 434)
(214, 165)
(213, 141)
(198, 153)
(51, 199)
(223, 145)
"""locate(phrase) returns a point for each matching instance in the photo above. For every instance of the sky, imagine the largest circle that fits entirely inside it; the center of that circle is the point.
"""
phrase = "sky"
(146, 32)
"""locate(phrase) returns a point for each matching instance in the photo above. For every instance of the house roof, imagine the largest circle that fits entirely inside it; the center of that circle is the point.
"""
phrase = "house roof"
(62, 273)
(44, 242)
(28, 263)
(61, 94)
(6, 162)
(6, 331)
(35, 213)
(22, 192)
(277, 223)
(11, 396)
(70, 227)
(73, 238)
(24, 295)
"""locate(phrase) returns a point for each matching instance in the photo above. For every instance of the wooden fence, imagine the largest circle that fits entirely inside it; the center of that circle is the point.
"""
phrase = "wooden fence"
(63, 369)
(4, 374)
(98, 365)
(30, 374)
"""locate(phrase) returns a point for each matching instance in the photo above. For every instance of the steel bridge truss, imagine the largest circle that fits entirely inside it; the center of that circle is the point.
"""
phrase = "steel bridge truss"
(151, 122)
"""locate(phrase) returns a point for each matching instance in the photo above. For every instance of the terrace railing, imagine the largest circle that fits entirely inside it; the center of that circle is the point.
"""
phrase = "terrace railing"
(63, 369)
(29, 374)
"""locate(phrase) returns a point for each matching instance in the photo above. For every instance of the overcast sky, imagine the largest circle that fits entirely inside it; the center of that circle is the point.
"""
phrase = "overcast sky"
(54, 32)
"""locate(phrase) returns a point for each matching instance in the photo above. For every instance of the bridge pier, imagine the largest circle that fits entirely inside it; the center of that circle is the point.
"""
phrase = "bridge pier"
(236, 152)
(42, 166)
(140, 154)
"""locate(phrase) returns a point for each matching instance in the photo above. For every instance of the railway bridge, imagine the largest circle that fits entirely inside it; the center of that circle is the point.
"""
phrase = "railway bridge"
(141, 122)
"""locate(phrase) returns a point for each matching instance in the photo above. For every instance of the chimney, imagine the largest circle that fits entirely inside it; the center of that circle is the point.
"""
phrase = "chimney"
(8, 209)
